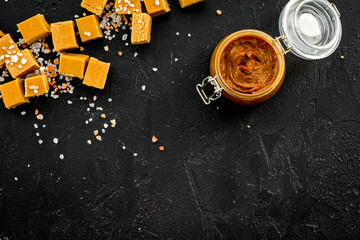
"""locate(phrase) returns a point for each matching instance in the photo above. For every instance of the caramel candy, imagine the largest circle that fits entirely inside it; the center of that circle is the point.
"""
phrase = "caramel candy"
(36, 85)
(8, 49)
(187, 3)
(1, 34)
(141, 28)
(73, 65)
(94, 6)
(13, 93)
(156, 7)
(63, 35)
(96, 73)
(127, 6)
(21, 64)
(34, 29)
(89, 28)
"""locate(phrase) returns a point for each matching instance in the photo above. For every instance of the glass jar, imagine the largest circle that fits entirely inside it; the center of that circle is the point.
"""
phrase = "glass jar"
(311, 29)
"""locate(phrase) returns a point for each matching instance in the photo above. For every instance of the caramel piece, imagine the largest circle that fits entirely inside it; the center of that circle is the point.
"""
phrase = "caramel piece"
(63, 35)
(141, 28)
(127, 6)
(156, 7)
(36, 85)
(94, 6)
(13, 93)
(73, 65)
(96, 73)
(21, 64)
(34, 29)
(187, 3)
(89, 28)
(8, 49)
(1, 34)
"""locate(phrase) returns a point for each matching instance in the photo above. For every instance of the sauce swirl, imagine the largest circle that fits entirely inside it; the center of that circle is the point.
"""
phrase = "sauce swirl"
(249, 65)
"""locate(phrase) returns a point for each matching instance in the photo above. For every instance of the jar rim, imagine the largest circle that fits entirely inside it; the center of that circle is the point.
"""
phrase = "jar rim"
(263, 36)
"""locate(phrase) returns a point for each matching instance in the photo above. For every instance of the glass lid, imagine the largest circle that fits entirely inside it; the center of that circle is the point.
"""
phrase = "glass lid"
(311, 29)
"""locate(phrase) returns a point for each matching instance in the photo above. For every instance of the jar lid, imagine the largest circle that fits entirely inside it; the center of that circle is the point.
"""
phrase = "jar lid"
(311, 29)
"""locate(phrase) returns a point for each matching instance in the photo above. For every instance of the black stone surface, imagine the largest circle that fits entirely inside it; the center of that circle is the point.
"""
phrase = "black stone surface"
(294, 174)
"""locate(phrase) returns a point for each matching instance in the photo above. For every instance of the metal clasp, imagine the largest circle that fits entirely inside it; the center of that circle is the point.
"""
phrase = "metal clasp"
(215, 95)
(336, 9)
(283, 39)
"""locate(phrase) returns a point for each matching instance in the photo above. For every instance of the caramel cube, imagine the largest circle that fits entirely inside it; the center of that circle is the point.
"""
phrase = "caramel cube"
(96, 73)
(89, 28)
(34, 29)
(1, 34)
(73, 65)
(141, 28)
(21, 64)
(13, 93)
(63, 35)
(94, 6)
(156, 7)
(8, 49)
(127, 6)
(187, 3)
(36, 85)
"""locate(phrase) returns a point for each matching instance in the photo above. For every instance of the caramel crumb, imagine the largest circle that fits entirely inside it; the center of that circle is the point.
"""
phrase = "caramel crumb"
(248, 126)
(103, 115)
(161, 148)
(36, 112)
(94, 98)
(16, 179)
(82, 49)
(53, 74)
(40, 117)
(56, 61)
(98, 137)
(96, 132)
(113, 123)
(154, 139)
(89, 142)
(219, 12)
(120, 53)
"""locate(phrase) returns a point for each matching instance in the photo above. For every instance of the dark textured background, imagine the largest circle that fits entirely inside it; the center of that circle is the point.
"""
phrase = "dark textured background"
(293, 175)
